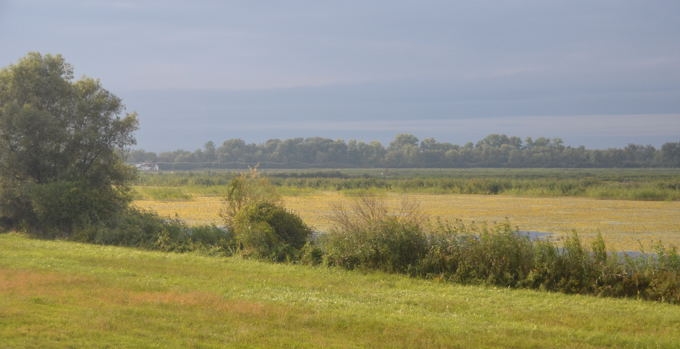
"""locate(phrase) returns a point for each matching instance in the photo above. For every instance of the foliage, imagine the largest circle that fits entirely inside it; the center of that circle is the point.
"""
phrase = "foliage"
(147, 230)
(369, 236)
(312, 253)
(480, 254)
(60, 149)
(618, 184)
(268, 231)
(261, 226)
(245, 190)
(376, 238)
(407, 151)
(626, 225)
(161, 194)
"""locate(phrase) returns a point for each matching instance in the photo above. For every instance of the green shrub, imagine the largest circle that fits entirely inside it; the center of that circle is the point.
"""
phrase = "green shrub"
(389, 245)
(478, 254)
(546, 259)
(665, 280)
(571, 268)
(210, 235)
(311, 254)
(268, 231)
(247, 189)
(368, 236)
(505, 258)
(442, 256)
(147, 230)
(62, 208)
(136, 228)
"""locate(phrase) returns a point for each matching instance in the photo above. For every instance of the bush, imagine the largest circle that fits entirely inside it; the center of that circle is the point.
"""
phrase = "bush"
(665, 280)
(61, 208)
(367, 236)
(147, 230)
(311, 254)
(497, 256)
(478, 254)
(245, 190)
(268, 231)
(210, 235)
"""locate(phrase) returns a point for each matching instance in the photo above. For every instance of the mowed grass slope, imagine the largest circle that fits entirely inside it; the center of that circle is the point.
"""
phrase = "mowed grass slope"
(63, 294)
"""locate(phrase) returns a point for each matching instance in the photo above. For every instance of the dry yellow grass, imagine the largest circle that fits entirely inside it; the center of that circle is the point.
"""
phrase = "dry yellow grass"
(624, 224)
(197, 210)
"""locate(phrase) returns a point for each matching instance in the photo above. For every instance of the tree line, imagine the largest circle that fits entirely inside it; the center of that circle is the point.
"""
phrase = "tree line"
(407, 151)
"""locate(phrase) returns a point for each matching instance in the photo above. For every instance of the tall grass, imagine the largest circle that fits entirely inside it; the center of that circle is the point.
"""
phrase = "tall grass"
(369, 237)
(161, 193)
(619, 184)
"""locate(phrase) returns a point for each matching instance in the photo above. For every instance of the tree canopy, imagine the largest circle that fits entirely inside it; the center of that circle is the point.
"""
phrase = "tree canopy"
(61, 148)
(495, 150)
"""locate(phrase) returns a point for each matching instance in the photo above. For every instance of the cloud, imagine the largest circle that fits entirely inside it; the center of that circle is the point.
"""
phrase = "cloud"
(432, 66)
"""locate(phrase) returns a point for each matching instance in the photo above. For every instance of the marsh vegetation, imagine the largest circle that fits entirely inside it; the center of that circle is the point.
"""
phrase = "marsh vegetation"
(366, 225)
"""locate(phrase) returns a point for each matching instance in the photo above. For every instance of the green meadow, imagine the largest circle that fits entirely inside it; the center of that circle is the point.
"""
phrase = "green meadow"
(56, 294)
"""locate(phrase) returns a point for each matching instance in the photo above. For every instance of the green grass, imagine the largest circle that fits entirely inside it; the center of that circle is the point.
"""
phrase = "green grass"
(161, 193)
(57, 294)
(617, 184)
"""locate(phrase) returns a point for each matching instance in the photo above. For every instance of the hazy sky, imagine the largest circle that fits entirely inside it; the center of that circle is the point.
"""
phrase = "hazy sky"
(594, 73)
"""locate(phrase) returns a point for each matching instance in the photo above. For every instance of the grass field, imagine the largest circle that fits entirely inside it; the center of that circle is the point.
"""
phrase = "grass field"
(57, 294)
(625, 224)
(647, 184)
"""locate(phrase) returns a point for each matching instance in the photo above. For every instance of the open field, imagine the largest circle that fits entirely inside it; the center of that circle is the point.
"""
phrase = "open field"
(618, 184)
(624, 224)
(63, 294)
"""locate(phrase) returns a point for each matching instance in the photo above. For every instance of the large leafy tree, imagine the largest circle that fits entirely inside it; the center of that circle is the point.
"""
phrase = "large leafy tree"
(61, 146)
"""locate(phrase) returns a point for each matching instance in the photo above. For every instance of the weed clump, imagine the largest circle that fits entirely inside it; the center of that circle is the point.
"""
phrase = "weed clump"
(367, 236)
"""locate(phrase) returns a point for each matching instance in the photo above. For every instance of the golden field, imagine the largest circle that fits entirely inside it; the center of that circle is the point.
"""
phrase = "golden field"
(625, 225)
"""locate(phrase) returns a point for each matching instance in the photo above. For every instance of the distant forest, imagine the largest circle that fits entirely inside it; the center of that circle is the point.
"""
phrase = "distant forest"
(407, 151)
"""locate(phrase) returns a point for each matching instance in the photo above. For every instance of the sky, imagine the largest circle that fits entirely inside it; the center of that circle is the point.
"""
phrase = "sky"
(598, 73)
